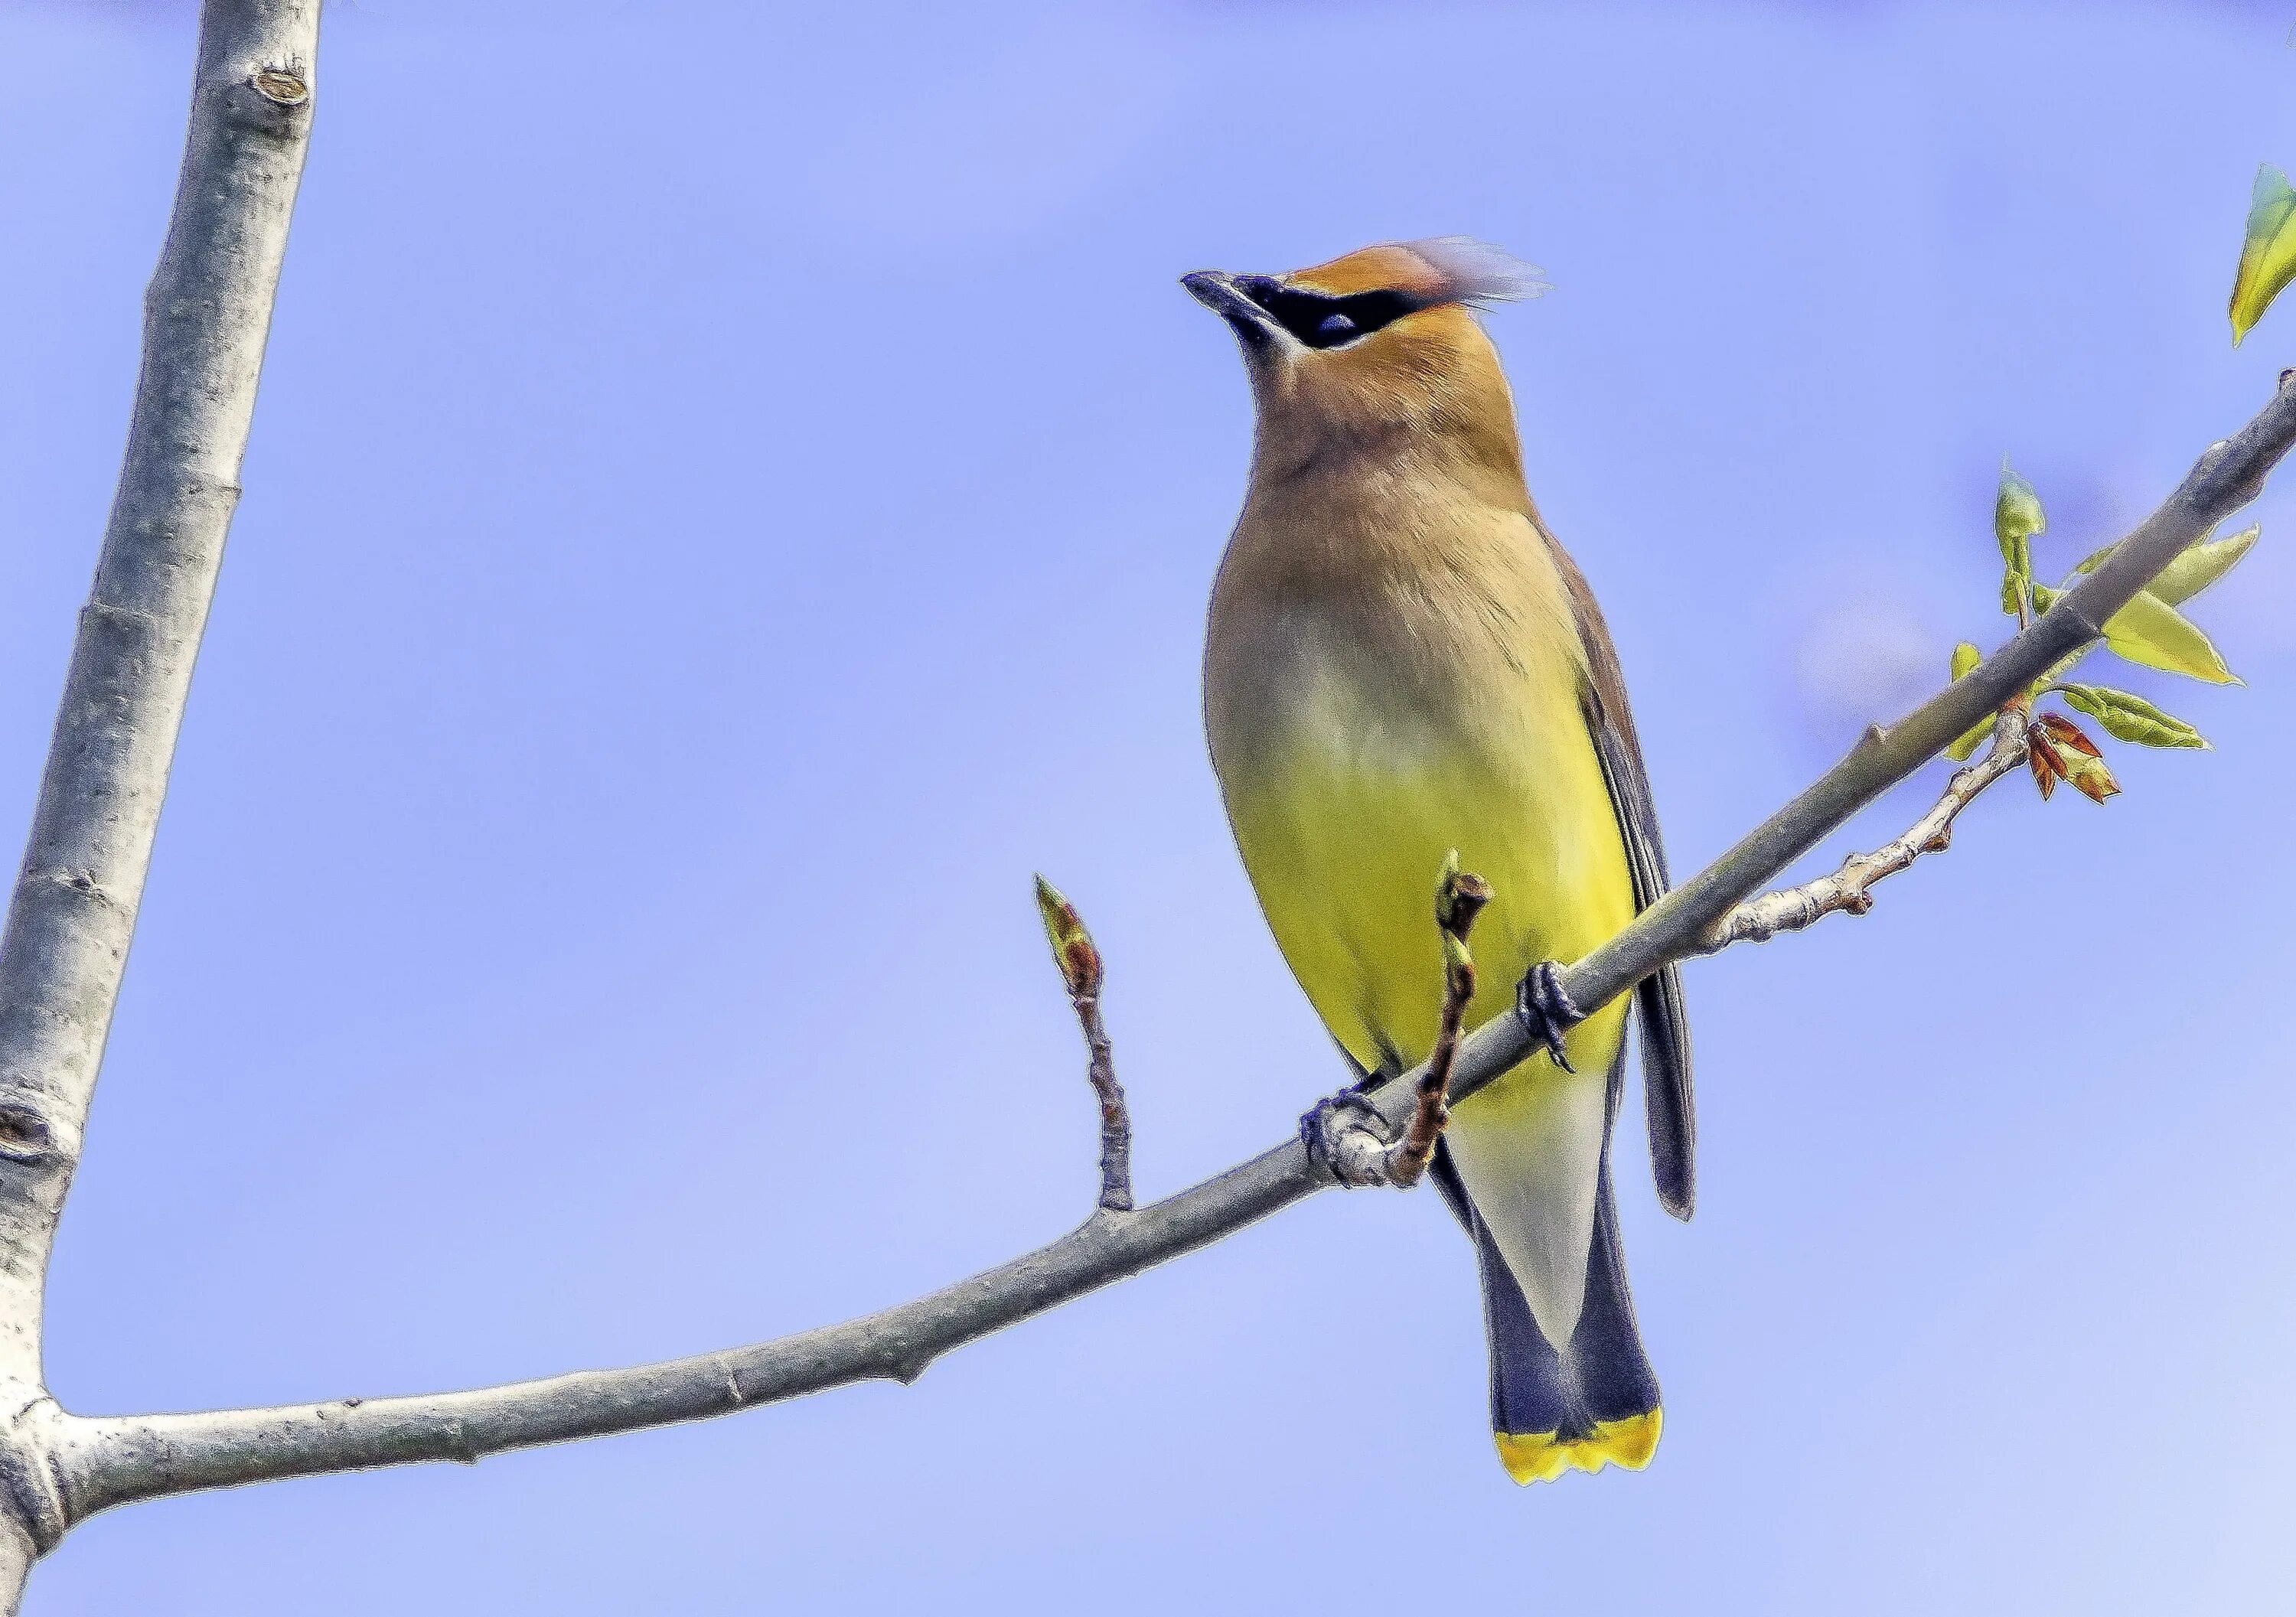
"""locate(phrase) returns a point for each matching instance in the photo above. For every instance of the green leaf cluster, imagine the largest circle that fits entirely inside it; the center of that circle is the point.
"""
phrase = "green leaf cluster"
(2150, 631)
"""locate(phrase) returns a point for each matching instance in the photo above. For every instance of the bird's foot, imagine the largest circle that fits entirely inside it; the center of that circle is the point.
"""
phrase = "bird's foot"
(1546, 1011)
(1346, 1134)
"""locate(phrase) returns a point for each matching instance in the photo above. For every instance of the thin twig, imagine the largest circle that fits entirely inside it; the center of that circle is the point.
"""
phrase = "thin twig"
(1083, 972)
(96, 1461)
(1459, 898)
(1115, 1119)
(1849, 889)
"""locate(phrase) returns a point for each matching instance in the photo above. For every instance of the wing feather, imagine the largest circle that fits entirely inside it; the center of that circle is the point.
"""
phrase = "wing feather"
(1657, 999)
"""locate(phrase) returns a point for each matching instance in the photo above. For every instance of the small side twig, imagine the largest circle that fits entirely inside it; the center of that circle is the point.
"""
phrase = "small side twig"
(1074, 952)
(1459, 898)
(1759, 919)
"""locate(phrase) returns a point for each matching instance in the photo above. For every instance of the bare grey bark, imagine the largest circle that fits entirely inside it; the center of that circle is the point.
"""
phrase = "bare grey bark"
(73, 911)
(1850, 889)
(101, 1462)
(95, 1463)
(16, 1554)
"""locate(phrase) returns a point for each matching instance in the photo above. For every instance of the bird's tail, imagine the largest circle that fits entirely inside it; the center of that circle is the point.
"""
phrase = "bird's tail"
(1594, 1403)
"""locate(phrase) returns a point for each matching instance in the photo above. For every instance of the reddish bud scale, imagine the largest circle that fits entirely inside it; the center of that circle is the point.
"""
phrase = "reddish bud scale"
(2064, 729)
(1072, 947)
(2048, 765)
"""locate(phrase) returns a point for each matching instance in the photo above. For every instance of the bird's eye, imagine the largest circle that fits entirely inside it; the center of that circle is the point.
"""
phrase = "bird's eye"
(1325, 320)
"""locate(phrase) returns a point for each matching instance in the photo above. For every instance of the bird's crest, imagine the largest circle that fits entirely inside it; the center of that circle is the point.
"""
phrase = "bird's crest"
(1442, 269)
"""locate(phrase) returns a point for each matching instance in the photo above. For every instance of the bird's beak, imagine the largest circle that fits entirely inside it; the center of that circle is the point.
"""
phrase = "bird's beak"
(1220, 293)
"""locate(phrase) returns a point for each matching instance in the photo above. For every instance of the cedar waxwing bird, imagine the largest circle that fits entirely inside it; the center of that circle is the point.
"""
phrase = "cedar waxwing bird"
(1401, 660)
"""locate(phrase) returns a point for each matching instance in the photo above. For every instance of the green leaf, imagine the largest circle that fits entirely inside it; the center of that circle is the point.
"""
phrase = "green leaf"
(1966, 657)
(2267, 255)
(2203, 562)
(2150, 631)
(2016, 518)
(2128, 718)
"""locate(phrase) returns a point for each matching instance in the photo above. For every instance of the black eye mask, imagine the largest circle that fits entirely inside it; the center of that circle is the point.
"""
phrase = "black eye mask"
(1322, 320)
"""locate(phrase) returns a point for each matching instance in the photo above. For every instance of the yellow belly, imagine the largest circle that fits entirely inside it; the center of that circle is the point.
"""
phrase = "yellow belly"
(1343, 819)
(1343, 813)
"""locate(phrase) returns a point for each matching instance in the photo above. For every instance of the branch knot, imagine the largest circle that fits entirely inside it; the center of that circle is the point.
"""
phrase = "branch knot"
(34, 1493)
(1349, 1140)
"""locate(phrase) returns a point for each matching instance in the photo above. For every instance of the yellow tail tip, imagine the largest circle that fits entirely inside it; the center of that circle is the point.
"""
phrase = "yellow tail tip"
(1541, 1457)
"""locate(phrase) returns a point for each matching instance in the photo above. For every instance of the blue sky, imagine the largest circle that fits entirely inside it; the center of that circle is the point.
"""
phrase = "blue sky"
(732, 495)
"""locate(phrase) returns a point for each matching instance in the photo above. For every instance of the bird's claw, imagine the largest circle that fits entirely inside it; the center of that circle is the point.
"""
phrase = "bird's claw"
(1545, 1010)
(1324, 1128)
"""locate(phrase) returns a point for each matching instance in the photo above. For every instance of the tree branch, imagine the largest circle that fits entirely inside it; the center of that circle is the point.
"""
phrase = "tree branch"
(1459, 898)
(1850, 888)
(73, 910)
(1083, 973)
(96, 1463)
(102, 1462)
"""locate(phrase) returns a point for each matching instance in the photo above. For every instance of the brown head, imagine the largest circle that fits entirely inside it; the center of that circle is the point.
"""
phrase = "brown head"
(1380, 349)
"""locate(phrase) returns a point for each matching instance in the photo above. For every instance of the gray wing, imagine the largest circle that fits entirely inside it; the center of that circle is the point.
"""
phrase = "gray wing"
(1658, 997)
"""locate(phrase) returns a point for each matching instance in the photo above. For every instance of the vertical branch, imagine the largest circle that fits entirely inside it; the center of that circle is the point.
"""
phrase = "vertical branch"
(17, 1553)
(1459, 898)
(73, 910)
(1081, 971)
(1115, 1118)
